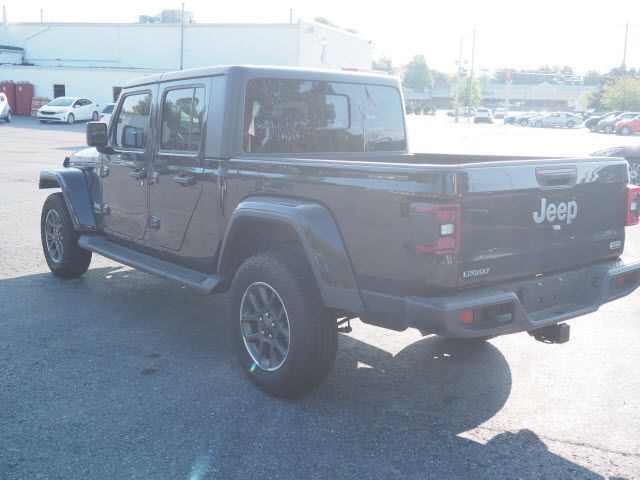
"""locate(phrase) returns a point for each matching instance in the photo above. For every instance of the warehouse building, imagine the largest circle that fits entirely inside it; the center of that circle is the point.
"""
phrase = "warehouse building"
(94, 60)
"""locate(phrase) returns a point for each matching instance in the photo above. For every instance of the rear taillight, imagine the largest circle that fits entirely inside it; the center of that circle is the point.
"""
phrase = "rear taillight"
(100, 117)
(447, 218)
(633, 214)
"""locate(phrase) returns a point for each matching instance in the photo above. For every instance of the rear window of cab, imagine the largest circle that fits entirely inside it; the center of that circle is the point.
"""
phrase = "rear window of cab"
(307, 116)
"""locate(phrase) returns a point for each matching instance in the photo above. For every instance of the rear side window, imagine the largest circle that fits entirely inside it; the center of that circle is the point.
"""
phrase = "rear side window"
(132, 124)
(182, 119)
(300, 116)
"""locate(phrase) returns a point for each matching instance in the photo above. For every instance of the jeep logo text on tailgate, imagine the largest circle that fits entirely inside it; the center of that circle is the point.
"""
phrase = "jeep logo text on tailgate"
(552, 212)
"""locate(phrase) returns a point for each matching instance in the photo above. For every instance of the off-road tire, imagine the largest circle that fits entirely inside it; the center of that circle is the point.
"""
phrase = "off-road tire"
(74, 260)
(313, 339)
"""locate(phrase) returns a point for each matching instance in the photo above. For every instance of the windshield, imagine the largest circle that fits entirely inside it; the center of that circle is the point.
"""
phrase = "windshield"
(108, 109)
(61, 102)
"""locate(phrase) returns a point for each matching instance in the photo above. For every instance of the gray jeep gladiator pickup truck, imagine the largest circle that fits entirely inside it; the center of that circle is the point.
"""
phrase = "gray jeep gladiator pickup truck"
(294, 191)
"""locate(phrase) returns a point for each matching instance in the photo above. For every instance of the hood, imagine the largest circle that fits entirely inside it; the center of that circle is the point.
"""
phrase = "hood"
(86, 155)
(54, 109)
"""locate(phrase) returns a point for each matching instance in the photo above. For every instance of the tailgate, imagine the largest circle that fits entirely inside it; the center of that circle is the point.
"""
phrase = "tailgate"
(540, 216)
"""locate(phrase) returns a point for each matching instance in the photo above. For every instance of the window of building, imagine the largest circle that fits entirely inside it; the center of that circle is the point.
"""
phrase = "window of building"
(182, 119)
(116, 93)
(132, 123)
(58, 90)
(300, 116)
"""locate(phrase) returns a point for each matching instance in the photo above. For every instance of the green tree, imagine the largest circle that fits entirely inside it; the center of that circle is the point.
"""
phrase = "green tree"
(476, 97)
(384, 64)
(623, 94)
(416, 74)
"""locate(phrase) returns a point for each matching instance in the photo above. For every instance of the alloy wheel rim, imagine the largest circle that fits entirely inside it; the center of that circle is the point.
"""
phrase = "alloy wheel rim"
(264, 324)
(53, 236)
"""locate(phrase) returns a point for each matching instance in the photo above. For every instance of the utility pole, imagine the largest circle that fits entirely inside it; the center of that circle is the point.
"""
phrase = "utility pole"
(470, 84)
(624, 55)
(181, 35)
(459, 81)
(41, 15)
(291, 15)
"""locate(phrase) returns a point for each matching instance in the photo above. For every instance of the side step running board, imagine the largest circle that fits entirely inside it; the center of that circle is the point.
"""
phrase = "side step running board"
(201, 282)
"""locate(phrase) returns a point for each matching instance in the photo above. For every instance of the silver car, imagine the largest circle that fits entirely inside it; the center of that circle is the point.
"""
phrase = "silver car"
(556, 119)
(5, 109)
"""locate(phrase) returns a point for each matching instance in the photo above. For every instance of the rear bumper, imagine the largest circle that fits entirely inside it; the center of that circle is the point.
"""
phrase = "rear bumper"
(519, 306)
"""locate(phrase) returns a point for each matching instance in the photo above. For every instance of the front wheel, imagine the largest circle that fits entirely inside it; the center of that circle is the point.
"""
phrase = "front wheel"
(538, 124)
(625, 131)
(8, 117)
(608, 129)
(60, 240)
(71, 119)
(285, 340)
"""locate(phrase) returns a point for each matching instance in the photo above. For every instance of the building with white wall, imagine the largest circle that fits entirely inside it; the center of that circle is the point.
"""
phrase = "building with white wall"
(94, 59)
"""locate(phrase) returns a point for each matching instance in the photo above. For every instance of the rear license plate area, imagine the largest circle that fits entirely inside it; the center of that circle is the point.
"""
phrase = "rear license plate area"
(548, 293)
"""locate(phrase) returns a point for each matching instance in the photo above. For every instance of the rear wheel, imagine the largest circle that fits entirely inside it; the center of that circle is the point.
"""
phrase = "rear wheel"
(285, 340)
(625, 131)
(60, 240)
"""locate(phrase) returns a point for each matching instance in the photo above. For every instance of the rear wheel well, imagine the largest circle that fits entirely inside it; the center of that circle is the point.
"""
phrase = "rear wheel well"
(250, 236)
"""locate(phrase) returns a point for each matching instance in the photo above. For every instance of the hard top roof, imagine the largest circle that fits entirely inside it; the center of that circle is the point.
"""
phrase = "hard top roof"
(298, 73)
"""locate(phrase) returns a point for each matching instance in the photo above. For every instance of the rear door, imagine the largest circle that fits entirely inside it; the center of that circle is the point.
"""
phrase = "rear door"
(177, 167)
(537, 217)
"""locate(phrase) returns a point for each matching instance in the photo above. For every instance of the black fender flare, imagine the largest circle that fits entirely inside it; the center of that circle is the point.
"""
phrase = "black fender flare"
(320, 238)
(73, 183)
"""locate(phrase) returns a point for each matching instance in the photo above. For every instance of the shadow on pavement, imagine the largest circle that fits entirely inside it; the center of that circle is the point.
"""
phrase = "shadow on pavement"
(138, 376)
(32, 123)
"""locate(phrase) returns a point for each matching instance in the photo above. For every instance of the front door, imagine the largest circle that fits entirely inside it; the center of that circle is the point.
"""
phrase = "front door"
(177, 167)
(124, 172)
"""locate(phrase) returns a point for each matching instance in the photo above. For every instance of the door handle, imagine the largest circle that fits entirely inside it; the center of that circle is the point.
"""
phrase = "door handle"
(138, 174)
(185, 180)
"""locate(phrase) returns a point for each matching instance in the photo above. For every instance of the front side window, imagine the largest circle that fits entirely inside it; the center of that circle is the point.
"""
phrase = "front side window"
(306, 116)
(132, 124)
(182, 119)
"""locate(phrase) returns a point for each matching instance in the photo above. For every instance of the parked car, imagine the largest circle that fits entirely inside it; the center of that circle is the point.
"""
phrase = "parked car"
(512, 117)
(627, 127)
(69, 110)
(105, 114)
(5, 109)
(499, 112)
(304, 241)
(592, 122)
(631, 153)
(556, 119)
(462, 112)
(483, 115)
(609, 125)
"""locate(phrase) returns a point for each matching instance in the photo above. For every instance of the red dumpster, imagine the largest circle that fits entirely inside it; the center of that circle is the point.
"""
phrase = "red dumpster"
(24, 96)
(9, 89)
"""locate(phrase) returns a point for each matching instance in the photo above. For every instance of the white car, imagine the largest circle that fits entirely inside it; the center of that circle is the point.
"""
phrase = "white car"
(68, 109)
(483, 115)
(5, 109)
(105, 114)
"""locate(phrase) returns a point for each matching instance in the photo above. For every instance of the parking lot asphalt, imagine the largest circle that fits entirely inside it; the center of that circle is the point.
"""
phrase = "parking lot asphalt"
(121, 375)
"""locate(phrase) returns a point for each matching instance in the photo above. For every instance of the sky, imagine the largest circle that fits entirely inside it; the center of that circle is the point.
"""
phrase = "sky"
(584, 34)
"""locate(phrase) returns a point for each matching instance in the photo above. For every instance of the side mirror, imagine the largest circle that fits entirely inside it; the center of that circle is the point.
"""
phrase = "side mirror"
(97, 135)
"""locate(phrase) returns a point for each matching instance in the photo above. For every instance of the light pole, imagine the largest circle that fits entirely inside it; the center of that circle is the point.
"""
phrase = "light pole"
(181, 35)
(470, 86)
(459, 81)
